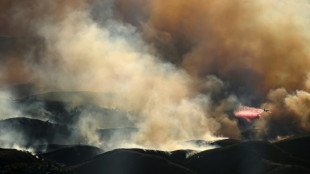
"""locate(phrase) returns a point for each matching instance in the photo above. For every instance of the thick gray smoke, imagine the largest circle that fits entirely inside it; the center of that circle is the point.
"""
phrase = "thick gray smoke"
(173, 70)
(81, 55)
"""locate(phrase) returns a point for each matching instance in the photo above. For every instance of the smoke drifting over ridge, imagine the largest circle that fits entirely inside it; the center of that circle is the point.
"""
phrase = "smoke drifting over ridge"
(179, 67)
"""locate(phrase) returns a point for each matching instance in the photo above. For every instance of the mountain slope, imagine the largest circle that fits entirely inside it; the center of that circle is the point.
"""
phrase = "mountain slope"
(128, 161)
(14, 161)
(72, 154)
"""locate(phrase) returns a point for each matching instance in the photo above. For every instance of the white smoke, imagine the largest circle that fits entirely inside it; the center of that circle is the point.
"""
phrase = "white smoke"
(81, 55)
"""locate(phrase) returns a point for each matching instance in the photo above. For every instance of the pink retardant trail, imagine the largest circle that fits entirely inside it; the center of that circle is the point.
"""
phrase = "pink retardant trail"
(248, 113)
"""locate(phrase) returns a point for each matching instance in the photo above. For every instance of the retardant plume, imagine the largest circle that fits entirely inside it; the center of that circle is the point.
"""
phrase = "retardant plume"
(248, 113)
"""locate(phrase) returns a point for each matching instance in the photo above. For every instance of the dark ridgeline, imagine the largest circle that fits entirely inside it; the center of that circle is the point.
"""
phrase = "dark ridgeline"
(248, 157)
(71, 155)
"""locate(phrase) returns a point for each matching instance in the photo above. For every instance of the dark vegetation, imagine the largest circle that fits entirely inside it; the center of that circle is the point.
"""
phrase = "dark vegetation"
(72, 154)
(14, 161)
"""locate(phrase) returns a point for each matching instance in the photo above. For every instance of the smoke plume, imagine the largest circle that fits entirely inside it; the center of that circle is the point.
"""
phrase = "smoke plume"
(290, 114)
(177, 68)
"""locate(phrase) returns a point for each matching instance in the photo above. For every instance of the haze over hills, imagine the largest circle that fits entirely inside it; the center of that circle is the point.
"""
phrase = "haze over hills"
(251, 157)
(58, 145)
(33, 133)
(26, 132)
(143, 86)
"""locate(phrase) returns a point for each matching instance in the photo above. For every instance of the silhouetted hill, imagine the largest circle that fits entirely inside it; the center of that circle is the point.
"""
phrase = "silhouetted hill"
(180, 156)
(235, 157)
(298, 146)
(10, 156)
(127, 161)
(72, 154)
(252, 157)
(226, 142)
(247, 157)
(14, 161)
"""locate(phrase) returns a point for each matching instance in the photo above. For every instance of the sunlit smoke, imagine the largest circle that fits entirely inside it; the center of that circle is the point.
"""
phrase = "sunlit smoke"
(290, 114)
(82, 55)
(176, 69)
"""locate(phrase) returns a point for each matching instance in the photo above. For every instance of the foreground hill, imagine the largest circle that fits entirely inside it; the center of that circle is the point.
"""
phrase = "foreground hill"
(251, 157)
(298, 146)
(72, 154)
(128, 161)
(247, 157)
(14, 161)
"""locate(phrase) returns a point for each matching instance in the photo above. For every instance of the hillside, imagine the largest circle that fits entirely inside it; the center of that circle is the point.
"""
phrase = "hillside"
(247, 157)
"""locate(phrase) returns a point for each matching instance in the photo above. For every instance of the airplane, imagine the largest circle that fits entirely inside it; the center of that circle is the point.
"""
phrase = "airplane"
(266, 110)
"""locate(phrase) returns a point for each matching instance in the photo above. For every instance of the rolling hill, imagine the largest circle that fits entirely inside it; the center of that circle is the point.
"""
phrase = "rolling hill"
(244, 157)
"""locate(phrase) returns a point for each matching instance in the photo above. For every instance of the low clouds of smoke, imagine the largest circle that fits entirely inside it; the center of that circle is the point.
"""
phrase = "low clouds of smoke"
(254, 47)
(177, 68)
(290, 114)
(223, 37)
(7, 108)
(79, 54)
(113, 59)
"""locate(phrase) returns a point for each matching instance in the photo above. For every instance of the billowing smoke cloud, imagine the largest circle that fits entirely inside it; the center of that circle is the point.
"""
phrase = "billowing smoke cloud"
(290, 114)
(79, 54)
(267, 38)
(113, 59)
(253, 47)
(178, 68)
